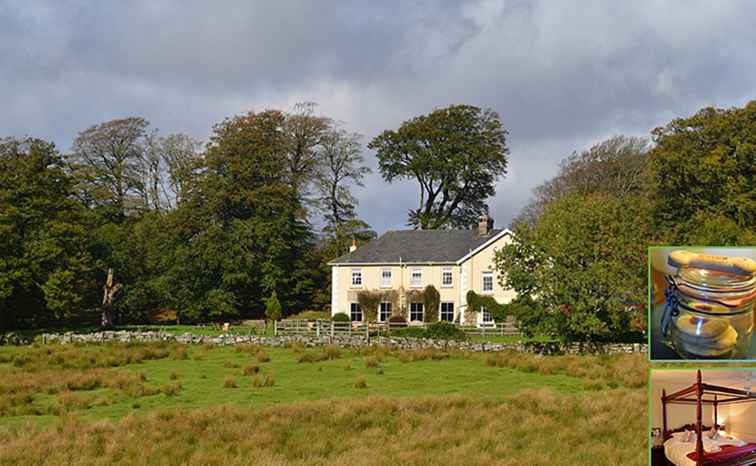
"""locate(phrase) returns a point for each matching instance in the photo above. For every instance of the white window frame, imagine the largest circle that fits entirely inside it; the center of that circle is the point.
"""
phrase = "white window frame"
(414, 311)
(485, 316)
(356, 273)
(381, 306)
(352, 312)
(484, 275)
(447, 272)
(386, 281)
(419, 282)
(441, 311)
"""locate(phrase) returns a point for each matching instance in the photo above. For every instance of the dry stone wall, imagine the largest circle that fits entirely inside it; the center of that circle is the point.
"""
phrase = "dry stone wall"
(342, 341)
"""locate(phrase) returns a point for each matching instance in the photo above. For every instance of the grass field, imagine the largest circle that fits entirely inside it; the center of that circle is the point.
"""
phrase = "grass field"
(175, 404)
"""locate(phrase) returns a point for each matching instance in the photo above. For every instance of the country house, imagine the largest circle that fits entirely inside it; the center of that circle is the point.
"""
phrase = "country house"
(396, 268)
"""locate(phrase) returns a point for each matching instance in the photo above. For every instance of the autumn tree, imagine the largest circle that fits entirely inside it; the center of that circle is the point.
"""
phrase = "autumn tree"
(456, 154)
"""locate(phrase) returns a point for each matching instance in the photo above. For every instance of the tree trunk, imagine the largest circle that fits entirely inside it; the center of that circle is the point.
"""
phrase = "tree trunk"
(109, 291)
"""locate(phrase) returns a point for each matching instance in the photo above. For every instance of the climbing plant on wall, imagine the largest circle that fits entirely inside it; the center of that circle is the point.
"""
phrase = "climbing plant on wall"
(475, 301)
(431, 301)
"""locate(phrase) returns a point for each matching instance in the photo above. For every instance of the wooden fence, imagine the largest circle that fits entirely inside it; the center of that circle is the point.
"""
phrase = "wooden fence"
(325, 328)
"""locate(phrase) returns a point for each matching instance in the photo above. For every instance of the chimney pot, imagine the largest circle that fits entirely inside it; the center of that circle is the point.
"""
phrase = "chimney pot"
(485, 225)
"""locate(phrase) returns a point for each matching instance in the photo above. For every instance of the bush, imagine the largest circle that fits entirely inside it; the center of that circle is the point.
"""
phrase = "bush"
(444, 331)
(310, 315)
(273, 307)
(397, 320)
(409, 332)
(341, 317)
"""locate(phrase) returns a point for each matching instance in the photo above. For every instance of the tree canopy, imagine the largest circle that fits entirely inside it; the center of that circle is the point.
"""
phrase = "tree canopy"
(456, 154)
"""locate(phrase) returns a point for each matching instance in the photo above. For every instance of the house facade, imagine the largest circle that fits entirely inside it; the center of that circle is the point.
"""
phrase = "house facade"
(400, 264)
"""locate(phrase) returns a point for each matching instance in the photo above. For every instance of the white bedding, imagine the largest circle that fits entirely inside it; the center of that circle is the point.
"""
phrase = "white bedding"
(677, 451)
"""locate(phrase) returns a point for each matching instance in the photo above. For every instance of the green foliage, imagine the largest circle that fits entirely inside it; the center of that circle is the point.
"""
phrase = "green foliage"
(310, 315)
(476, 301)
(701, 174)
(369, 301)
(456, 154)
(444, 331)
(341, 317)
(273, 307)
(46, 267)
(431, 303)
(584, 266)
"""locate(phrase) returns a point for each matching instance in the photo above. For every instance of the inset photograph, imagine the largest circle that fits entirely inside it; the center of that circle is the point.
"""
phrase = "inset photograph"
(703, 417)
(702, 303)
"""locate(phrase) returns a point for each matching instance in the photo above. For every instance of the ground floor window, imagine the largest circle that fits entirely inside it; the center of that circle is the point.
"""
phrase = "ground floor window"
(487, 317)
(356, 312)
(447, 312)
(416, 311)
(384, 312)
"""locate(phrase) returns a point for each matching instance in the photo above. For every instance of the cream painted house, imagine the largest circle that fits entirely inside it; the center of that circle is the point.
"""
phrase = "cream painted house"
(453, 261)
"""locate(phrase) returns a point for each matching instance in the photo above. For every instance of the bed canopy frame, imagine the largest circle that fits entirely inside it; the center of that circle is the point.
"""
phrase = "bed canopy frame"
(701, 394)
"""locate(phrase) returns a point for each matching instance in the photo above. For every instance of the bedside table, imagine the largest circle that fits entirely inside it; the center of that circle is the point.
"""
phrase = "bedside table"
(658, 458)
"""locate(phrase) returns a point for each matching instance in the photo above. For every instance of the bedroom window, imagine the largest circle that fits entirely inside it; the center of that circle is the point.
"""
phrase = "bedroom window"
(486, 316)
(446, 277)
(356, 277)
(447, 312)
(384, 312)
(488, 282)
(386, 278)
(416, 278)
(416, 312)
(355, 312)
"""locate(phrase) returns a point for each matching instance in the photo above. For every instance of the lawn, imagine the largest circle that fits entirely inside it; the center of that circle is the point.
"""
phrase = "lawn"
(312, 406)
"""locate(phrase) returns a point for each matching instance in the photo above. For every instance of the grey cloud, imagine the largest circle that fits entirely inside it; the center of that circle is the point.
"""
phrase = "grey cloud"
(563, 75)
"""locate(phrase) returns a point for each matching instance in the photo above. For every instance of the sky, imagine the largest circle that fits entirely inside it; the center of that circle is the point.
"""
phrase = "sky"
(562, 75)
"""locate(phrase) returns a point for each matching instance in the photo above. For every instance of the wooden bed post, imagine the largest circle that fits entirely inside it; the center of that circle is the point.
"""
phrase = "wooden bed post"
(716, 423)
(699, 439)
(664, 414)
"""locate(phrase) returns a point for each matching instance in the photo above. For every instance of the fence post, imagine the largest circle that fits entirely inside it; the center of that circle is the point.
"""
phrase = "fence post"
(317, 328)
(367, 331)
(275, 328)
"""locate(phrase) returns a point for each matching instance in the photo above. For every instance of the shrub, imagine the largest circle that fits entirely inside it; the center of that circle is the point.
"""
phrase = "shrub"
(410, 332)
(267, 381)
(262, 356)
(360, 383)
(431, 302)
(171, 389)
(273, 307)
(397, 320)
(444, 331)
(341, 317)
(310, 315)
(230, 382)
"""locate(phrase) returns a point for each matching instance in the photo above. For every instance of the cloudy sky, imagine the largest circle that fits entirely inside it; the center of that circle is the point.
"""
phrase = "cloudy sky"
(562, 75)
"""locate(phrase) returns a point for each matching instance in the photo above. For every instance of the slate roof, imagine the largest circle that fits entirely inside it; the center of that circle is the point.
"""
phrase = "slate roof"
(417, 246)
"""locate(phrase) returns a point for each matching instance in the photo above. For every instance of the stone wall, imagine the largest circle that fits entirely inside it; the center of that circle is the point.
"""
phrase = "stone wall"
(342, 341)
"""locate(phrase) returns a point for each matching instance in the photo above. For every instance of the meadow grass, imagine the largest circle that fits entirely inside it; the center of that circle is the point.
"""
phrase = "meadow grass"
(225, 405)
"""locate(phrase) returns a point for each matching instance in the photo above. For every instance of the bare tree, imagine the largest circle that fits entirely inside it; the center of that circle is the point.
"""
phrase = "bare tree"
(108, 159)
(304, 132)
(171, 165)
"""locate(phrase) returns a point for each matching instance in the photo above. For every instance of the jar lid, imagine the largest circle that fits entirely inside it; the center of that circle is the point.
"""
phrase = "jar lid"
(730, 281)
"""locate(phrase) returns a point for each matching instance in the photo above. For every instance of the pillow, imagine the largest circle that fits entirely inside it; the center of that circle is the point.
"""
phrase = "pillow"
(713, 433)
(678, 435)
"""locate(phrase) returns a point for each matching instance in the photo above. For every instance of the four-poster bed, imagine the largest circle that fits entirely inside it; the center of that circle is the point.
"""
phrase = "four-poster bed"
(700, 394)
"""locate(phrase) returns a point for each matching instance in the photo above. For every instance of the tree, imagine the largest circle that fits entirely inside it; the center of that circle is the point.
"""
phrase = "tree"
(109, 161)
(242, 233)
(582, 266)
(273, 307)
(456, 154)
(701, 177)
(614, 166)
(303, 134)
(45, 265)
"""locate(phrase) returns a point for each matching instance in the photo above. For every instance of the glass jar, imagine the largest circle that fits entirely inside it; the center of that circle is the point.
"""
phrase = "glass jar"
(709, 310)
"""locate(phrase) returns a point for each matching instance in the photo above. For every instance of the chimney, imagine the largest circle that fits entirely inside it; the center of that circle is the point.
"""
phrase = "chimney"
(353, 247)
(485, 225)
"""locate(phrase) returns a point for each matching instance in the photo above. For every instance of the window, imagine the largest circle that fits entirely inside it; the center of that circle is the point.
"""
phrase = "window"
(386, 278)
(416, 311)
(487, 318)
(356, 312)
(384, 312)
(416, 278)
(446, 277)
(356, 277)
(488, 282)
(447, 312)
